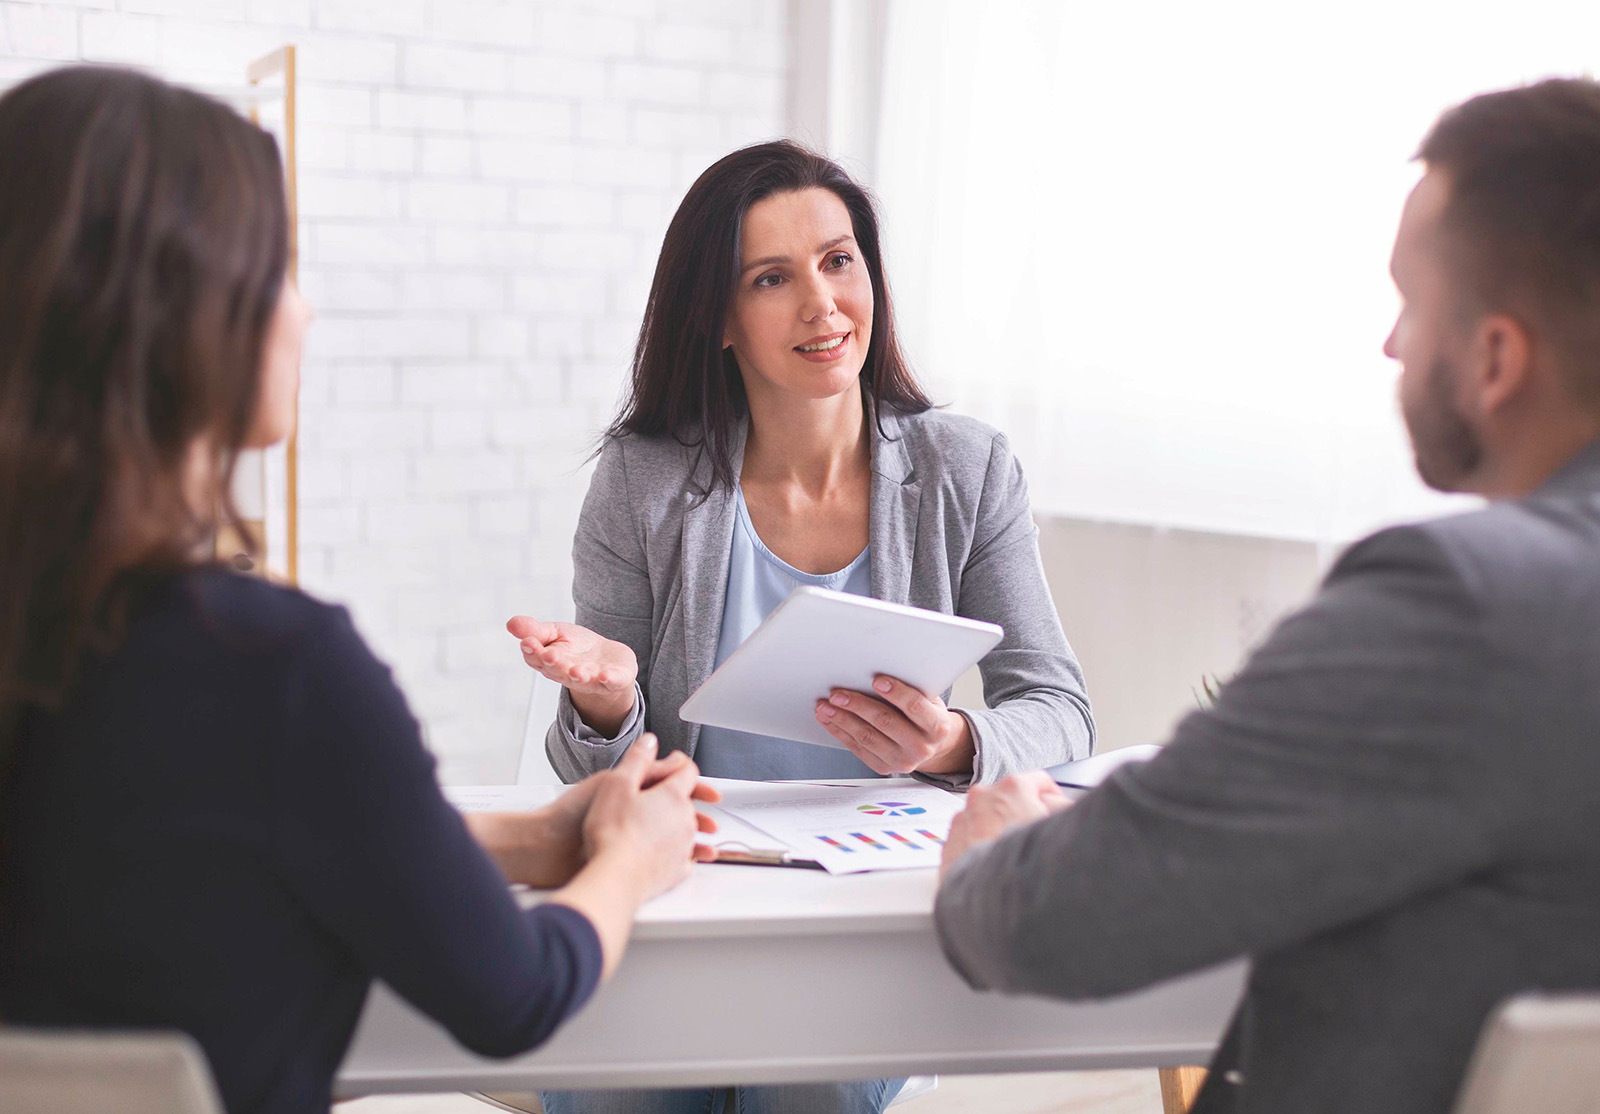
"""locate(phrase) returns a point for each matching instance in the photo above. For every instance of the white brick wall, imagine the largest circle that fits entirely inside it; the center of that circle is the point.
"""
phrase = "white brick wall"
(484, 185)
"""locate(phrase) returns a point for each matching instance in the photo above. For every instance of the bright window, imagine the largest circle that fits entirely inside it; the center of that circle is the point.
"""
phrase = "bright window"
(1151, 241)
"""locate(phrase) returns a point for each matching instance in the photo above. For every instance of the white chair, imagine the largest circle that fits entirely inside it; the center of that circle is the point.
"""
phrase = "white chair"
(533, 767)
(1539, 1054)
(915, 1087)
(44, 1071)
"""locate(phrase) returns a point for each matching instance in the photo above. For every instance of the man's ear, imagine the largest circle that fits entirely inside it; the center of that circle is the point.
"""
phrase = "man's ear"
(1502, 362)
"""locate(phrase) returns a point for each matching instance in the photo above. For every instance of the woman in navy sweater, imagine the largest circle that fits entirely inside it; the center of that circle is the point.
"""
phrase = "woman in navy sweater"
(216, 811)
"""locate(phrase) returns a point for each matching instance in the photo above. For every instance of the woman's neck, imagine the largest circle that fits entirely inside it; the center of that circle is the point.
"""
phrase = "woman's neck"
(200, 479)
(202, 491)
(815, 444)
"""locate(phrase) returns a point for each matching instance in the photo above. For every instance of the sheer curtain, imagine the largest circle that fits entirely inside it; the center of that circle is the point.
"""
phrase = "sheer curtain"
(1150, 241)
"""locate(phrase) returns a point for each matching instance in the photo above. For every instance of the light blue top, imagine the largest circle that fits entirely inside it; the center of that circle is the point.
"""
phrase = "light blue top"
(758, 581)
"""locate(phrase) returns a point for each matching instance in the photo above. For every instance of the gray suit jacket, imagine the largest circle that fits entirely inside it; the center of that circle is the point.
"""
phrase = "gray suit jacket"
(950, 531)
(1394, 808)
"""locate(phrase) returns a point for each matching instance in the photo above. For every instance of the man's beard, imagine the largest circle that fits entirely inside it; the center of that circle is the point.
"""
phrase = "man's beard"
(1447, 448)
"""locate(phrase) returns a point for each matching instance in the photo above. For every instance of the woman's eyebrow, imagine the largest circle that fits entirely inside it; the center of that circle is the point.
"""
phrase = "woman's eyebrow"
(769, 260)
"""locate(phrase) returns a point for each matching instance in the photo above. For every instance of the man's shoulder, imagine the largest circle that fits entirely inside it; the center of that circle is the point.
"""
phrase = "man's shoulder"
(1509, 549)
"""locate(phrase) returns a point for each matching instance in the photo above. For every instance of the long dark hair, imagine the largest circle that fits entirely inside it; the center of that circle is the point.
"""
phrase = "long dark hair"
(143, 247)
(684, 384)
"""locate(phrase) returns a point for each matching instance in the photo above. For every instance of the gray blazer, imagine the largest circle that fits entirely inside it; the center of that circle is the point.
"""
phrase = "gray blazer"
(950, 531)
(1392, 808)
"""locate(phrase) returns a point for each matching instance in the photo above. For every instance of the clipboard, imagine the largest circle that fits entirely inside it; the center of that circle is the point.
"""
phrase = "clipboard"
(741, 844)
(735, 857)
(850, 826)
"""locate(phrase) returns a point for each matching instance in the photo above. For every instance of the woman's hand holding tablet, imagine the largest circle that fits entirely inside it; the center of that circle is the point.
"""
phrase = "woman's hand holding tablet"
(896, 728)
(876, 665)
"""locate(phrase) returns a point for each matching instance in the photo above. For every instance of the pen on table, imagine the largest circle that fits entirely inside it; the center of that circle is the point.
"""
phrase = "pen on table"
(764, 858)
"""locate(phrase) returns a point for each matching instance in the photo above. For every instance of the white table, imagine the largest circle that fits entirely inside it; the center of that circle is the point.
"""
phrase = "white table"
(768, 975)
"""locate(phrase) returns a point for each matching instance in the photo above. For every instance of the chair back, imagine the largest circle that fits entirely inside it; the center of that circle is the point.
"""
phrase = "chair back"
(533, 766)
(67, 1071)
(1540, 1053)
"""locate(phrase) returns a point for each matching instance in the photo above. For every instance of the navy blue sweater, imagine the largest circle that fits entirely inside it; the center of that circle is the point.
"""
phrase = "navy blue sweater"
(232, 828)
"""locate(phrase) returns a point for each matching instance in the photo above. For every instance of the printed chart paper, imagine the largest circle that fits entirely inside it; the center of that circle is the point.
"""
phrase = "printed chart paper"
(893, 824)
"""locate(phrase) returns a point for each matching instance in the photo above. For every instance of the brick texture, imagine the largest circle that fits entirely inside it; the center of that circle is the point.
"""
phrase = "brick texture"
(484, 187)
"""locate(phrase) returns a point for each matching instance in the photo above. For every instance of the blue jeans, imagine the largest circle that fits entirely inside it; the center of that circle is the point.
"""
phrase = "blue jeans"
(866, 1097)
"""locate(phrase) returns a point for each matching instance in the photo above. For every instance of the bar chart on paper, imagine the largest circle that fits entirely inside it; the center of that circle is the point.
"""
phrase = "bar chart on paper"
(847, 829)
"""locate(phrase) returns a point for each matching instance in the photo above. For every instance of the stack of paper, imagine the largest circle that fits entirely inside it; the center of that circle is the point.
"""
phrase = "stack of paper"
(844, 827)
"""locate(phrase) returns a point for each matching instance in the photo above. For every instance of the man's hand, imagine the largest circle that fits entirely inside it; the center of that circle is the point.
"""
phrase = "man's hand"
(993, 810)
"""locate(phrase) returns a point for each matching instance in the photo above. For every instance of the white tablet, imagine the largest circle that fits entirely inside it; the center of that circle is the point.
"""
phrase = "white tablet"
(816, 641)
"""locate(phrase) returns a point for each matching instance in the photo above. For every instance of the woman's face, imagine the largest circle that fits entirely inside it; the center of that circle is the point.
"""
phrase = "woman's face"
(801, 316)
(280, 369)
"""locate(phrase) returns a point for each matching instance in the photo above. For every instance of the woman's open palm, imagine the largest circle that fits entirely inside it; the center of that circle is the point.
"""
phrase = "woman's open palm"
(576, 657)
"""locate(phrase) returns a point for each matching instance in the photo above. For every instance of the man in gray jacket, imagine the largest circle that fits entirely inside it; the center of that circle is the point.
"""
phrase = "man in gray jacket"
(1394, 808)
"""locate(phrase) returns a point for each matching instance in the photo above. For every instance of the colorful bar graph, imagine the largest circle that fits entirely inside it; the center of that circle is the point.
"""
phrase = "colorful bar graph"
(836, 844)
(902, 839)
(925, 834)
(869, 841)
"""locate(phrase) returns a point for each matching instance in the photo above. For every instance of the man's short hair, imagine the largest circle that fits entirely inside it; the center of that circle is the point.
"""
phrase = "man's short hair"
(1522, 225)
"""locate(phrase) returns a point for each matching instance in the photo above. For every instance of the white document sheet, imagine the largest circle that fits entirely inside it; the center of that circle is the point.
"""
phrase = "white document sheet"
(735, 835)
(847, 827)
(501, 798)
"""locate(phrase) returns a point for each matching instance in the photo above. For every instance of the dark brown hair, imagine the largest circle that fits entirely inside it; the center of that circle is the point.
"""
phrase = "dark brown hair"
(684, 384)
(143, 247)
(1522, 224)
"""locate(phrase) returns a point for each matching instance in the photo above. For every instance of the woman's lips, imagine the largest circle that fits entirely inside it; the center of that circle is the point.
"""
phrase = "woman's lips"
(826, 355)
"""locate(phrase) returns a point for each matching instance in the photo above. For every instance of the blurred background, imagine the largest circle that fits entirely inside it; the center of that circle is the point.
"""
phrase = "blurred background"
(1148, 241)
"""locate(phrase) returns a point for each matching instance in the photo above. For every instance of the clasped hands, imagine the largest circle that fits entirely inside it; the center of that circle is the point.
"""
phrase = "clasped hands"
(640, 811)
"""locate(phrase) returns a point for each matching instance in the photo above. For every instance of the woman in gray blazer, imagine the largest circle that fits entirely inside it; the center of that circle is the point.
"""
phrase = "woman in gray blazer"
(775, 436)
